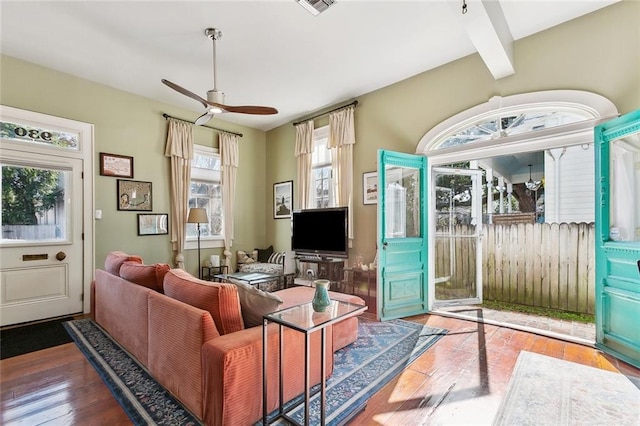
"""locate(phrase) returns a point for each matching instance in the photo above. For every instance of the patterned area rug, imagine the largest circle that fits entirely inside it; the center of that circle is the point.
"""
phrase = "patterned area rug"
(549, 391)
(144, 400)
(381, 352)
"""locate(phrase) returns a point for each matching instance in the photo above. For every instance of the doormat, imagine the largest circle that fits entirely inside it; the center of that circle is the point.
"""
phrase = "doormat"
(34, 337)
(550, 391)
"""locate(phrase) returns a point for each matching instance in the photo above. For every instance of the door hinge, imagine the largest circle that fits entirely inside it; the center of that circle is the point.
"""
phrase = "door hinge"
(81, 175)
(82, 297)
(83, 236)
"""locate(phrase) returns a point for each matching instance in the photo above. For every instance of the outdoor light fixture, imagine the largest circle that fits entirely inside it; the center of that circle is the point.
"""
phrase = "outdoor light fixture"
(531, 184)
(198, 216)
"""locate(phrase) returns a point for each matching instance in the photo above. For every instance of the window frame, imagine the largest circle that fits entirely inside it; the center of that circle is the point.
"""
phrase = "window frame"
(319, 134)
(209, 241)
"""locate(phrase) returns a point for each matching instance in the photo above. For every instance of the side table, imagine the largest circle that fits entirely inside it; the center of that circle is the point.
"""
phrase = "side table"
(303, 319)
(209, 272)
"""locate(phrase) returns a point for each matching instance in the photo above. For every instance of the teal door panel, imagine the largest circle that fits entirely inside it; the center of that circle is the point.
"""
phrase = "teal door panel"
(618, 237)
(402, 225)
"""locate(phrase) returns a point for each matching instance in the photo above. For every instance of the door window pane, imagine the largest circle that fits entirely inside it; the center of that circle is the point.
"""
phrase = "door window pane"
(33, 204)
(625, 189)
(402, 198)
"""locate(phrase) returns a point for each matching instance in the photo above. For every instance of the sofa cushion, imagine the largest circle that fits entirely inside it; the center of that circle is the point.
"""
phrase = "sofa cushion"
(255, 303)
(220, 300)
(263, 254)
(151, 276)
(115, 259)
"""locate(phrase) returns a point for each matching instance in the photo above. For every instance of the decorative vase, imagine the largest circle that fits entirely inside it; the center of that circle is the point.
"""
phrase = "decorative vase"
(321, 300)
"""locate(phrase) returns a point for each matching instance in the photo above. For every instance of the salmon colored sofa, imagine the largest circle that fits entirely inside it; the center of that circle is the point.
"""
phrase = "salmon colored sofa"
(191, 335)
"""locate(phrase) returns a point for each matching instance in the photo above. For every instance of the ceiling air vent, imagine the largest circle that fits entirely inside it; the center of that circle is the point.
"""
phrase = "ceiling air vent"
(315, 7)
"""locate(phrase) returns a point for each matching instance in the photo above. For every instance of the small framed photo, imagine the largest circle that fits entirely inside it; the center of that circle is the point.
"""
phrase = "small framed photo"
(153, 224)
(116, 165)
(370, 188)
(134, 195)
(282, 199)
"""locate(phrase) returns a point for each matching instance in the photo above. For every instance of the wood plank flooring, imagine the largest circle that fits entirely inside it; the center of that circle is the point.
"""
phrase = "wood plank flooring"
(461, 380)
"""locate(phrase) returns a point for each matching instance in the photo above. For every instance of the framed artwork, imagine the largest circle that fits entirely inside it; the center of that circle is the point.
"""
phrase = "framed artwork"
(153, 224)
(370, 188)
(116, 165)
(282, 199)
(134, 195)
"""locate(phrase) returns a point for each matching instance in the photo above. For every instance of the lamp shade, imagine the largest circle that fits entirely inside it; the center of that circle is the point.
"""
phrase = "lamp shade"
(197, 215)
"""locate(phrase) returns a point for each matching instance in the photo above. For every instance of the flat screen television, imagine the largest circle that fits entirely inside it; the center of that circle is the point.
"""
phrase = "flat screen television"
(321, 232)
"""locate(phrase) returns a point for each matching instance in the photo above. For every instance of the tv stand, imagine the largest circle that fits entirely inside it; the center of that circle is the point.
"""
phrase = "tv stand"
(327, 268)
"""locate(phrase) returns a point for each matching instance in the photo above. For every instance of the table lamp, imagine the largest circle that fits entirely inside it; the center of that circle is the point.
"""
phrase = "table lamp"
(198, 216)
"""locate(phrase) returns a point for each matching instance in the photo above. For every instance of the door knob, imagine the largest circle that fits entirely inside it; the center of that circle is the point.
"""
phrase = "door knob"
(61, 256)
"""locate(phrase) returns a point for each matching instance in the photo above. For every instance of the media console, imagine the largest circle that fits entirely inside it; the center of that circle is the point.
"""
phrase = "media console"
(325, 268)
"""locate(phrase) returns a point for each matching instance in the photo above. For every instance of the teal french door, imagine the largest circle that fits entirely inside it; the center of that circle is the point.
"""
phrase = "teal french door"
(402, 235)
(617, 228)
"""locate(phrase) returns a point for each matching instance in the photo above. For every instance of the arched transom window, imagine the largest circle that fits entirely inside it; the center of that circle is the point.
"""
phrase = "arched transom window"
(503, 118)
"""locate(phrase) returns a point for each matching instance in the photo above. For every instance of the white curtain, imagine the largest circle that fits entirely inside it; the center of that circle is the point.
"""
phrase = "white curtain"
(304, 150)
(342, 137)
(179, 149)
(229, 154)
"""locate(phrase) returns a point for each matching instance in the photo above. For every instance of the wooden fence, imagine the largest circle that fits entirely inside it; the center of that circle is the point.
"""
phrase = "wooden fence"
(548, 265)
(31, 232)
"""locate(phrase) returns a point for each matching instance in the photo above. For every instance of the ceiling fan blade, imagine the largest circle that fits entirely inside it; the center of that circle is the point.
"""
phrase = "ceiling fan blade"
(185, 92)
(245, 109)
(204, 118)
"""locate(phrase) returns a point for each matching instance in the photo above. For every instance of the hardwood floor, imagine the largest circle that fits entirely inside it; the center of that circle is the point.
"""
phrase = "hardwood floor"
(462, 380)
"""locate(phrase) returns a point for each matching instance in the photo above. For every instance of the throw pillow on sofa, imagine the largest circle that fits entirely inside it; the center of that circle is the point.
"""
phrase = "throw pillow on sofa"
(255, 303)
(115, 259)
(263, 254)
(151, 276)
(219, 299)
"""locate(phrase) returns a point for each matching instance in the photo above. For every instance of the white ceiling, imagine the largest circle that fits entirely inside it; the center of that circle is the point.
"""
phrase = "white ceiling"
(272, 53)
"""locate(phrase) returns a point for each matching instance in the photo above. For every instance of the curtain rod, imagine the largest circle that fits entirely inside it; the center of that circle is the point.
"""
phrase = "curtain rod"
(167, 116)
(354, 103)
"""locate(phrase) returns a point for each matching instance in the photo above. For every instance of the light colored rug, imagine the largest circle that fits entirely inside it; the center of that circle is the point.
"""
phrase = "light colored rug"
(550, 391)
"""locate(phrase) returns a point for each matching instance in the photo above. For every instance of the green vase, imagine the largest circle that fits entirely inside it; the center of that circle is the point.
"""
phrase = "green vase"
(321, 300)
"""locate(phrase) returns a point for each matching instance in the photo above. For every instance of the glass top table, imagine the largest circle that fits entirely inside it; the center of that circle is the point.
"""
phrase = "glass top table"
(304, 319)
(251, 278)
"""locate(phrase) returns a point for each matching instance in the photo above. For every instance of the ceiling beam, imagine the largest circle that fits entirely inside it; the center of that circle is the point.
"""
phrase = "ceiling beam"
(487, 29)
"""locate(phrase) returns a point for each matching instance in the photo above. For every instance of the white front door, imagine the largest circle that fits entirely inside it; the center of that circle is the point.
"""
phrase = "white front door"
(46, 250)
(41, 256)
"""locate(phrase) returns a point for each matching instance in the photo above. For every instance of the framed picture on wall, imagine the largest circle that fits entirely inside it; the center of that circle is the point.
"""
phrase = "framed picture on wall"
(134, 195)
(282, 199)
(116, 165)
(153, 224)
(370, 187)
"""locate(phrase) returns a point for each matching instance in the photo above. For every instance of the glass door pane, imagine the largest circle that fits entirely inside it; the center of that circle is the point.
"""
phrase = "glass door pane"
(457, 231)
(33, 204)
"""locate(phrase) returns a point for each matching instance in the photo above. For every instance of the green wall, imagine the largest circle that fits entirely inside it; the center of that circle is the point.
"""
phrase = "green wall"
(132, 125)
(599, 52)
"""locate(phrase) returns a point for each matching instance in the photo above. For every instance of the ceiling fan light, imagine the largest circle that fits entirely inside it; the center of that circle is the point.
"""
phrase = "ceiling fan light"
(215, 110)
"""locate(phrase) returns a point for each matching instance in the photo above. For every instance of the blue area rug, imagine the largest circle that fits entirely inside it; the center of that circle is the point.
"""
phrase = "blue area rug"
(144, 400)
(381, 352)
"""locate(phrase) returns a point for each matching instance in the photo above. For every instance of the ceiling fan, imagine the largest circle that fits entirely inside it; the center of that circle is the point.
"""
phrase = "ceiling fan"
(214, 103)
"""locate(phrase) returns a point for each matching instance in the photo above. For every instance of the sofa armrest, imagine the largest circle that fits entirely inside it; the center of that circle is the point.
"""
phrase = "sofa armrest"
(232, 372)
